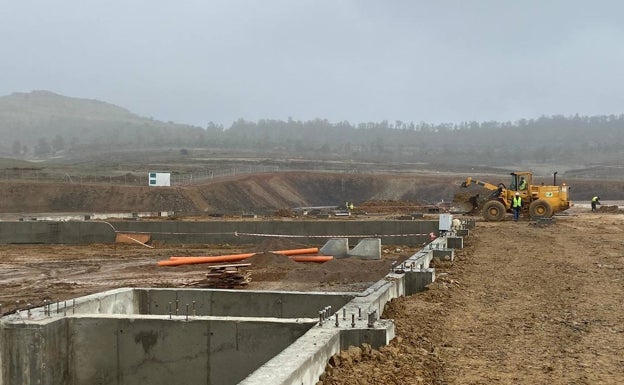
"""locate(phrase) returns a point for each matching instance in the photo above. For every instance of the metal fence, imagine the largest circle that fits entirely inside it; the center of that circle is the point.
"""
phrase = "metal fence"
(131, 179)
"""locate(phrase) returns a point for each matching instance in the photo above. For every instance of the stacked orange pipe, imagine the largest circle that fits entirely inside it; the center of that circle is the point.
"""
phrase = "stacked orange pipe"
(180, 260)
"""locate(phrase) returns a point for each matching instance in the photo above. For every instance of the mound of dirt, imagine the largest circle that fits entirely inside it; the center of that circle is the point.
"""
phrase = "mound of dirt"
(339, 271)
(608, 209)
(274, 244)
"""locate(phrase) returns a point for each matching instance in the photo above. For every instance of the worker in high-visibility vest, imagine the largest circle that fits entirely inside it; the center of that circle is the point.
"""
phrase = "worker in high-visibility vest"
(516, 206)
(595, 201)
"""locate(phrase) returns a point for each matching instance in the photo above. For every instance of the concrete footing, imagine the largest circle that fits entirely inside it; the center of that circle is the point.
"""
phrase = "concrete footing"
(202, 336)
(455, 242)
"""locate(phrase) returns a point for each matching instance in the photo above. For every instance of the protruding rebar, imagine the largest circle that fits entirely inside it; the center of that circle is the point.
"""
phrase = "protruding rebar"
(194, 311)
(321, 312)
(64, 308)
(352, 320)
(74, 306)
(337, 323)
(57, 305)
(359, 313)
(169, 310)
(28, 312)
(177, 306)
(344, 314)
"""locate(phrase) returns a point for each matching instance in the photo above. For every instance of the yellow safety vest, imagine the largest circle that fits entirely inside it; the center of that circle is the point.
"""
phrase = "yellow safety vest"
(517, 202)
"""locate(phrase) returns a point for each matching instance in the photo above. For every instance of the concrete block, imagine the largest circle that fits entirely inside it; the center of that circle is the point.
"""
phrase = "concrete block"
(469, 223)
(338, 247)
(444, 254)
(462, 232)
(377, 337)
(417, 280)
(367, 248)
(455, 242)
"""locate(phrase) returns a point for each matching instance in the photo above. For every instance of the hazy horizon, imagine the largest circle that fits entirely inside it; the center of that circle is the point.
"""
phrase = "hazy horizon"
(195, 62)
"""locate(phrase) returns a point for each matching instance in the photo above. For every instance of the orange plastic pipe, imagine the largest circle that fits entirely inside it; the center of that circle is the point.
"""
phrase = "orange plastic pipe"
(310, 250)
(312, 258)
(194, 260)
(191, 257)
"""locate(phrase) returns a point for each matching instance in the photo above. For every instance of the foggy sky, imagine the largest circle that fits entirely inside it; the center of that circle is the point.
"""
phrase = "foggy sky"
(196, 61)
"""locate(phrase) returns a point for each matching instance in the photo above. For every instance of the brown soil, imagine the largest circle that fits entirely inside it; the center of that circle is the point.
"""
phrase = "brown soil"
(260, 193)
(521, 304)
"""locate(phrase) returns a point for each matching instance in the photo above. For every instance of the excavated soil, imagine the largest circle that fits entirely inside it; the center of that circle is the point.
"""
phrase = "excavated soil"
(521, 304)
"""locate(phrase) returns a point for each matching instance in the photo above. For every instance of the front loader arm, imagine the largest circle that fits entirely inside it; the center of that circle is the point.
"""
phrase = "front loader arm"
(469, 181)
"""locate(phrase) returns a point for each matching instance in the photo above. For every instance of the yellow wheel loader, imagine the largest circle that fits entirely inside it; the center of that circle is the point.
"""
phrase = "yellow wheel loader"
(539, 201)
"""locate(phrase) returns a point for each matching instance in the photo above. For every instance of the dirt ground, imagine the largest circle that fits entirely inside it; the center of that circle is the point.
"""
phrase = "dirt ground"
(521, 304)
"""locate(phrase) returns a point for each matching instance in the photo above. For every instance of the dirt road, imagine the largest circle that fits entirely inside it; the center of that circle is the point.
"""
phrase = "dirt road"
(521, 305)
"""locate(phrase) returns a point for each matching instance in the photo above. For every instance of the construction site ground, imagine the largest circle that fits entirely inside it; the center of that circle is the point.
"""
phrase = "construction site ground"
(521, 304)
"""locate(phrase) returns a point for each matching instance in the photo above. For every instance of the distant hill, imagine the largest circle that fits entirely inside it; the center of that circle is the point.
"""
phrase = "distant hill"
(44, 122)
(44, 125)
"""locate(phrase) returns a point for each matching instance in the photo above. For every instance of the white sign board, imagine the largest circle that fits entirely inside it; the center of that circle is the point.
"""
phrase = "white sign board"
(159, 179)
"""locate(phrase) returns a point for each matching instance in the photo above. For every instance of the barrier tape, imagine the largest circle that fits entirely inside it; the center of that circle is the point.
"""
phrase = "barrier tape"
(331, 236)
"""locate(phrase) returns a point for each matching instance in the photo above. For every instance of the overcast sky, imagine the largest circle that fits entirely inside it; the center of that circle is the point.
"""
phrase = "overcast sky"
(196, 61)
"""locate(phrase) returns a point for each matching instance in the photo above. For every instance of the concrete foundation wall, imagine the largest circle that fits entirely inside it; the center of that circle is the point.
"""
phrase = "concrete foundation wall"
(131, 351)
(85, 350)
(232, 232)
(238, 303)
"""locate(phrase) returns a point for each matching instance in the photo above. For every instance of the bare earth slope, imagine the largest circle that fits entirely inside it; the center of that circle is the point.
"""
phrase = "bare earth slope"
(521, 305)
(270, 191)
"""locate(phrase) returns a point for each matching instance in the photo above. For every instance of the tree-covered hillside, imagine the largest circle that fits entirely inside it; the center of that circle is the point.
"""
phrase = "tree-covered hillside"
(43, 124)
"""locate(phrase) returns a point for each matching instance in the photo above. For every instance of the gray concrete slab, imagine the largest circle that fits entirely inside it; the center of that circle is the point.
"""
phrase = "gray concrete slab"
(367, 248)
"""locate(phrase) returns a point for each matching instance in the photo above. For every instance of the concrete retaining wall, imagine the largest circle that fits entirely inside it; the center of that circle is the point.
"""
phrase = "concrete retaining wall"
(215, 232)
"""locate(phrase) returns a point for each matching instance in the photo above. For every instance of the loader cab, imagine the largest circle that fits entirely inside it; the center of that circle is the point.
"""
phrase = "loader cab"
(520, 181)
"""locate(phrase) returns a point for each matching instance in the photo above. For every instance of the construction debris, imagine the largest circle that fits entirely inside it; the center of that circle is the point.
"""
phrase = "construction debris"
(225, 277)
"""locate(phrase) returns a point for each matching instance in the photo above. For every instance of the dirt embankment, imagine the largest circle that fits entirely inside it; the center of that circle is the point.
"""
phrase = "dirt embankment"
(260, 193)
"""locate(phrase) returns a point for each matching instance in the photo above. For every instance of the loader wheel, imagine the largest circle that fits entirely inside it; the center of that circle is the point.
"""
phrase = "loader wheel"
(540, 209)
(493, 211)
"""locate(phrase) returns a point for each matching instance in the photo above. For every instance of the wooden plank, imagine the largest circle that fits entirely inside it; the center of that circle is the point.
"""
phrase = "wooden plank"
(232, 265)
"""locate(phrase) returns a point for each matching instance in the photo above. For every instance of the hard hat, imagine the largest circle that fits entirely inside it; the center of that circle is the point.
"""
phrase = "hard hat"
(517, 193)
